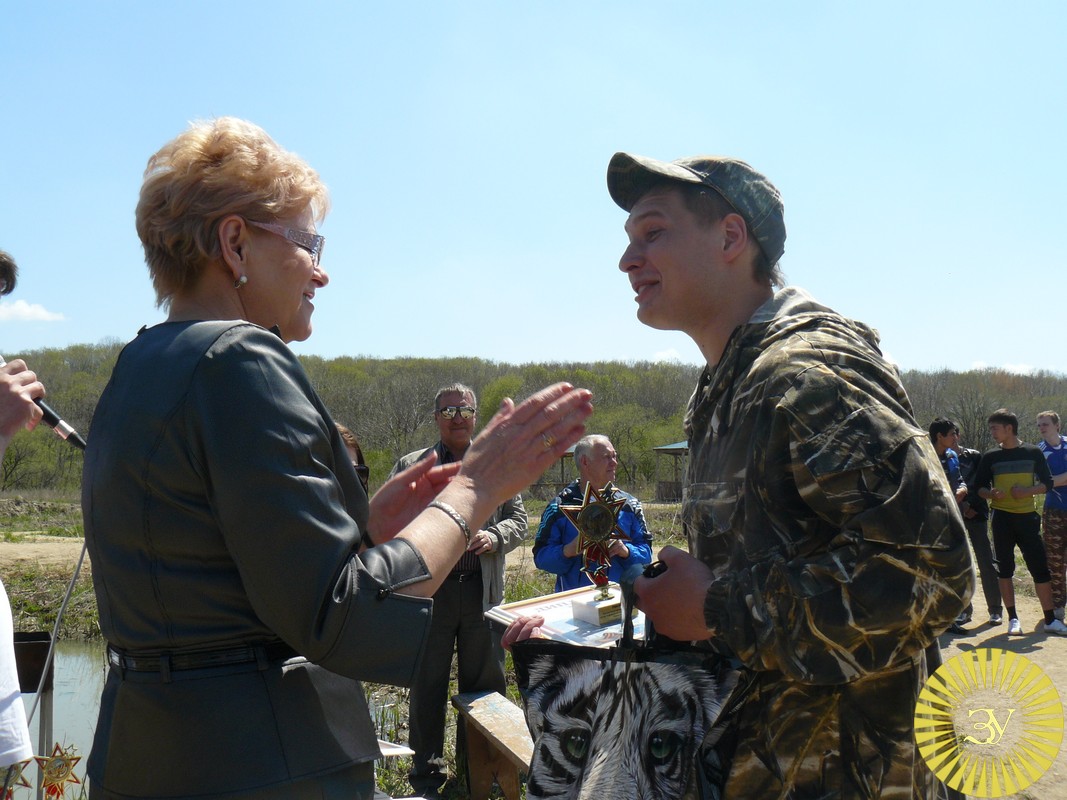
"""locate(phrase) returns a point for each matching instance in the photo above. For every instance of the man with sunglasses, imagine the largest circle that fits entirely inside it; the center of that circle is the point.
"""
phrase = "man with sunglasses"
(475, 584)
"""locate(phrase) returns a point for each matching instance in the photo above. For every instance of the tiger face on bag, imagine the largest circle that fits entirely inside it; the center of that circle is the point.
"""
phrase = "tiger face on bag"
(617, 729)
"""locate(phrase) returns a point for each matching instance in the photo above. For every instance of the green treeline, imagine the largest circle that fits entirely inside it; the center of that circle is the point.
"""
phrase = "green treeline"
(388, 404)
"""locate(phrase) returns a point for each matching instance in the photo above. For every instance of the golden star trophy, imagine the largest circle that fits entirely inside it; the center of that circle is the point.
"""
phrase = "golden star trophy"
(58, 770)
(14, 778)
(597, 521)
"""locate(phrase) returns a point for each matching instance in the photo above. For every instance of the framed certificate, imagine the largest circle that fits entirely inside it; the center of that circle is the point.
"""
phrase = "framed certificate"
(560, 624)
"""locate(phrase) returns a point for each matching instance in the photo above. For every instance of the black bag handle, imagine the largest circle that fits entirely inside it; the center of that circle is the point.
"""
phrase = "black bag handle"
(629, 602)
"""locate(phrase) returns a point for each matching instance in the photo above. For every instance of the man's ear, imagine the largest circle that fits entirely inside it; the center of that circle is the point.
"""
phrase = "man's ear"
(233, 242)
(735, 236)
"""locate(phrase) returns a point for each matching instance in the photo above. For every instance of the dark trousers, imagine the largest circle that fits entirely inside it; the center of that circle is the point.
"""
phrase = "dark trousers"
(457, 625)
(978, 533)
(1023, 530)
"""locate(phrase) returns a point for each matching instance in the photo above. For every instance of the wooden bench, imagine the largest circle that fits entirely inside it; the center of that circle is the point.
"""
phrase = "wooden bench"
(498, 743)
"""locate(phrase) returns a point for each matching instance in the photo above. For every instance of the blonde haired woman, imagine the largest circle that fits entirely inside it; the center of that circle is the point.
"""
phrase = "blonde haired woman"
(229, 534)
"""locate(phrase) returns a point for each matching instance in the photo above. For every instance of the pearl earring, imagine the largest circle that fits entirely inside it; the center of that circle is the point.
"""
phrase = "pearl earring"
(237, 284)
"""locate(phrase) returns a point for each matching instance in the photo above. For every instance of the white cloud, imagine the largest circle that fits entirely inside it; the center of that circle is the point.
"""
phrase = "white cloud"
(21, 311)
(669, 354)
(1018, 369)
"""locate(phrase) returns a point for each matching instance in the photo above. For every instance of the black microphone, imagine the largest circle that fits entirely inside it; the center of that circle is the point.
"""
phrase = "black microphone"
(62, 428)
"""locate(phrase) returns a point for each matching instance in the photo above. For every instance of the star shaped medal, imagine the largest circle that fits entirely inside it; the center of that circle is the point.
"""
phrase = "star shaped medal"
(13, 779)
(58, 770)
(597, 521)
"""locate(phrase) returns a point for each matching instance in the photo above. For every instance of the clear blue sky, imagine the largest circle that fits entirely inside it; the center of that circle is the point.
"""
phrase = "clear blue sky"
(918, 148)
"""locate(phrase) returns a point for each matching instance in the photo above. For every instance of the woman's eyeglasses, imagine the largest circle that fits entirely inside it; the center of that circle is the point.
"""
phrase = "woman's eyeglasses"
(448, 412)
(306, 240)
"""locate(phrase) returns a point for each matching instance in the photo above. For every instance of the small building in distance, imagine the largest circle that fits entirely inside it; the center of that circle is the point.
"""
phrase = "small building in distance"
(669, 480)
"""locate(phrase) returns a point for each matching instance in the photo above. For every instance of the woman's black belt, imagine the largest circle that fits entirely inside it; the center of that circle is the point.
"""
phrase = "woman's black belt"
(201, 659)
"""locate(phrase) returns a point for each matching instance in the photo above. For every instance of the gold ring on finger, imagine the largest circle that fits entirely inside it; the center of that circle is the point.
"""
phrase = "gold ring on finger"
(549, 440)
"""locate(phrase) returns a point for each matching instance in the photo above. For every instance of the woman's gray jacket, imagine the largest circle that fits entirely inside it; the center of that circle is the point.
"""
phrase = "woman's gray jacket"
(222, 512)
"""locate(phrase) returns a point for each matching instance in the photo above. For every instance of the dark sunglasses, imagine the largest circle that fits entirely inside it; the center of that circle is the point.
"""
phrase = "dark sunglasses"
(448, 412)
(363, 473)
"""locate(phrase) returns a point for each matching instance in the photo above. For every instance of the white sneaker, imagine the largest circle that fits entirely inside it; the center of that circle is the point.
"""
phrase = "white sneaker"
(1014, 627)
(1056, 626)
(1059, 614)
(995, 619)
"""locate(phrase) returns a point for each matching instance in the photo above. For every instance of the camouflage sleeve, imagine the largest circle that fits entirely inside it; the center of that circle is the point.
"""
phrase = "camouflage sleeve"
(884, 570)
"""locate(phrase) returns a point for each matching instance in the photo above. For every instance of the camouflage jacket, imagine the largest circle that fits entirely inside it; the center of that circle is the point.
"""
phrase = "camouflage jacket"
(837, 547)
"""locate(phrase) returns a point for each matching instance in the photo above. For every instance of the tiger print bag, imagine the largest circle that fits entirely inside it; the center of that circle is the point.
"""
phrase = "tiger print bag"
(637, 720)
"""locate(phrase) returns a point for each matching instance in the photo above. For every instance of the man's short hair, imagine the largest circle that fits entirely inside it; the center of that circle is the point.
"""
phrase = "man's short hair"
(9, 273)
(1004, 417)
(458, 388)
(1052, 415)
(942, 427)
(585, 445)
(709, 207)
(745, 191)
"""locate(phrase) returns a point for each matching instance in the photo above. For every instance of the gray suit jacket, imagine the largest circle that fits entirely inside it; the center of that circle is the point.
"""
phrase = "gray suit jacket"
(221, 509)
(508, 525)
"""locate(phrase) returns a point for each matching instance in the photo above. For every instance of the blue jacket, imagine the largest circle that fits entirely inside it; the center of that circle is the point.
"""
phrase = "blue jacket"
(1057, 464)
(556, 531)
(950, 462)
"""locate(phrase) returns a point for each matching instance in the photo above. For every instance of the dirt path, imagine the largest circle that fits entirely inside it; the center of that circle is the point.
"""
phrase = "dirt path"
(1048, 652)
(46, 551)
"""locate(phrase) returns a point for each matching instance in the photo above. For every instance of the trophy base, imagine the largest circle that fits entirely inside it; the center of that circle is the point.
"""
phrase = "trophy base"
(598, 612)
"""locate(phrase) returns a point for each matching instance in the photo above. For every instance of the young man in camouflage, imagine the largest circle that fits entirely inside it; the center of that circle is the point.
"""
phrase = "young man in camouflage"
(827, 550)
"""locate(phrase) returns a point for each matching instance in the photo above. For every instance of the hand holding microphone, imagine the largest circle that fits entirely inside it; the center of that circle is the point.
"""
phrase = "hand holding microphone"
(51, 418)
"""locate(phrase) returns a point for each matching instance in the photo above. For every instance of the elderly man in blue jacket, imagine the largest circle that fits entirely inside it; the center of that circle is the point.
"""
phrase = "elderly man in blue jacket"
(556, 546)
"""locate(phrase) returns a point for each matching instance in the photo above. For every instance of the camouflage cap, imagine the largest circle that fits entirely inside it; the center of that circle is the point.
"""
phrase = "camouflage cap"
(750, 193)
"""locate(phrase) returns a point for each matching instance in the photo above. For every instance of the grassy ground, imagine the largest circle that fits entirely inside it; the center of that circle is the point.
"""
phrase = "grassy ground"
(36, 592)
(39, 514)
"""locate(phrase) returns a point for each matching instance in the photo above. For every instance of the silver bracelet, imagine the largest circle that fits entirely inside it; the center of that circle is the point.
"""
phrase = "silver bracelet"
(456, 517)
